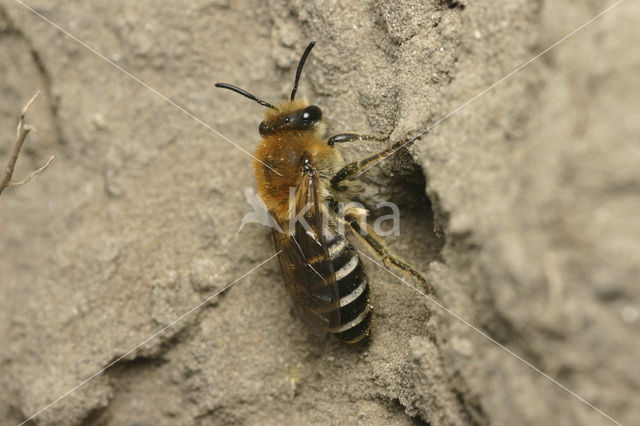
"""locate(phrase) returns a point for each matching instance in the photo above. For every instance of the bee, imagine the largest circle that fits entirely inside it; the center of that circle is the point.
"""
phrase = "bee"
(303, 180)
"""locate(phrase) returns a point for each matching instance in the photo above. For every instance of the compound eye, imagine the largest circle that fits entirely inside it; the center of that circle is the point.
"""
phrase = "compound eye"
(311, 114)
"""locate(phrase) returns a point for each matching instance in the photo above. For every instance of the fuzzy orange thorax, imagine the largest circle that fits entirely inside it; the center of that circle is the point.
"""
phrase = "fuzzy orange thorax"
(282, 152)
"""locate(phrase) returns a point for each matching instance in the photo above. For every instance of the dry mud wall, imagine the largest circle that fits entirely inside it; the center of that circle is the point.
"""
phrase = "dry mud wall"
(521, 208)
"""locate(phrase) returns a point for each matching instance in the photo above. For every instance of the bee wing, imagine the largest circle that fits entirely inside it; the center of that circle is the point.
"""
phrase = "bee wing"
(306, 267)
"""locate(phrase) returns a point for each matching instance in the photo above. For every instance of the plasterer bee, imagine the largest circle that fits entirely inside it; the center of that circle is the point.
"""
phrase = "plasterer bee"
(302, 179)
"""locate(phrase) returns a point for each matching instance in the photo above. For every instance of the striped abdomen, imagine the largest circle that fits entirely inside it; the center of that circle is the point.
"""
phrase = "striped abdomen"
(355, 310)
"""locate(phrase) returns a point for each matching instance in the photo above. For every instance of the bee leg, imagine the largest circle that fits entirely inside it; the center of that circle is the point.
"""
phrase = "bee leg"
(355, 167)
(350, 137)
(379, 249)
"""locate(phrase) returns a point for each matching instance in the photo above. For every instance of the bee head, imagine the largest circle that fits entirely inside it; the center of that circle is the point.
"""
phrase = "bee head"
(289, 115)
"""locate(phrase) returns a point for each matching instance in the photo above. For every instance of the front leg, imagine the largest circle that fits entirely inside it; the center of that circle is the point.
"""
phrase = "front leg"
(351, 137)
(360, 166)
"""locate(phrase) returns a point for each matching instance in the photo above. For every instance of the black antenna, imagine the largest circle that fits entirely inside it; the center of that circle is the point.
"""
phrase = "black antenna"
(300, 65)
(245, 93)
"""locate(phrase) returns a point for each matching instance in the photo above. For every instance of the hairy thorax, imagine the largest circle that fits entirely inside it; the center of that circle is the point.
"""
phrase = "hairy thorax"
(280, 167)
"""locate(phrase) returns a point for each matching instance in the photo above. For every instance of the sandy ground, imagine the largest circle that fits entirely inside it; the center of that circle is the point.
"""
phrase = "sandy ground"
(522, 209)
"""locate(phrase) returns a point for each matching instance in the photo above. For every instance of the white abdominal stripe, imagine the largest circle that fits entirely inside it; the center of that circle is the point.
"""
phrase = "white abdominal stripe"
(349, 298)
(347, 268)
(336, 247)
(353, 323)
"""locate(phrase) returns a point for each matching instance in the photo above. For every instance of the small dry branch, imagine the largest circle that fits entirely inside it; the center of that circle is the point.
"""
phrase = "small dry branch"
(21, 133)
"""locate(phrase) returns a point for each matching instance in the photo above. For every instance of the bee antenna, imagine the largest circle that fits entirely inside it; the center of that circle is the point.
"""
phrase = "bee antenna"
(300, 65)
(244, 93)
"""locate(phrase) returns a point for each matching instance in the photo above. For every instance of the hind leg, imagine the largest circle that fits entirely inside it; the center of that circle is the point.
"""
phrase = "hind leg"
(379, 249)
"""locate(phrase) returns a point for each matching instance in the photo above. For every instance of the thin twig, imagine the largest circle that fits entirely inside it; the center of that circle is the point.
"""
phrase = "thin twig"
(21, 134)
(33, 173)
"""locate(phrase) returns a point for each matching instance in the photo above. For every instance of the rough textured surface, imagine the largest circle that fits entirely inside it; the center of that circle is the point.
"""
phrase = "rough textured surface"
(522, 208)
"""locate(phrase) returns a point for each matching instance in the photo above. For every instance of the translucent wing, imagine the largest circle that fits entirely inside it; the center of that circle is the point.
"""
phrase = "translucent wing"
(306, 267)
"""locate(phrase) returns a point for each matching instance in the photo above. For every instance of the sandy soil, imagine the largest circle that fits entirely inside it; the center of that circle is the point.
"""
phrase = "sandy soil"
(522, 209)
